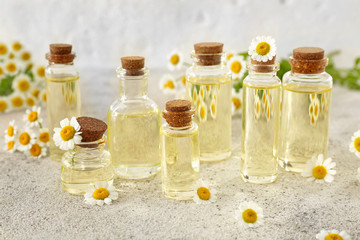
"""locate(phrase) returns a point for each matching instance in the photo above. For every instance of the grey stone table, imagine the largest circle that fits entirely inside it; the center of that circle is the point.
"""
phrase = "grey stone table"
(33, 205)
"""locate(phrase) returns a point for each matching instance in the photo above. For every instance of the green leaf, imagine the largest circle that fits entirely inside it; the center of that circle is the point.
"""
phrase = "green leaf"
(284, 68)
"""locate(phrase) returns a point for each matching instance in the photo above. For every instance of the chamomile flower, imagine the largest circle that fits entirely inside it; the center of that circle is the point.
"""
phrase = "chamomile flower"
(35, 92)
(3, 49)
(68, 135)
(11, 131)
(249, 214)
(100, 194)
(355, 144)
(17, 100)
(10, 145)
(2, 69)
(202, 111)
(213, 107)
(36, 151)
(42, 96)
(319, 170)
(39, 72)
(4, 104)
(229, 55)
(237, 67)
(11, 67)
(203, 194)
(16, 46)
(262, 48)
(183, 80)
(25, 56)
(333, 235)
(175, 60)
(22, 83)
(32, 117)
(25, 139)
(236, 99)
(168, 84)
(30, 101)
(44, 136)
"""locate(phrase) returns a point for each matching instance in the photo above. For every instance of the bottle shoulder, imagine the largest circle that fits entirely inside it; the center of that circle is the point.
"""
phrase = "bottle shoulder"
(178, 132)
(198, 73)
(262, 81)
(307, 81)
(138, 106)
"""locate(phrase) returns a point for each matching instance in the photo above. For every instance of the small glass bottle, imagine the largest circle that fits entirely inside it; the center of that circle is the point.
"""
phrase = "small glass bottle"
(180, 150)
(260, 122)
(209, 87)
(306, 101)
(88, 162)
(62, 90)
(134, 124)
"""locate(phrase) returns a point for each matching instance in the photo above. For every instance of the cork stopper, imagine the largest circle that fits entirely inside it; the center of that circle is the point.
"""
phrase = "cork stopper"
(178, 113)
(133, 65)
(263, 67)
(91, 129)
(308, 60)
(209, 53)
(60, 53)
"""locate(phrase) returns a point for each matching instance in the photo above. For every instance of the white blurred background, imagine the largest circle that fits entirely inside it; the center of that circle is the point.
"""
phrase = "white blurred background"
(103, 31)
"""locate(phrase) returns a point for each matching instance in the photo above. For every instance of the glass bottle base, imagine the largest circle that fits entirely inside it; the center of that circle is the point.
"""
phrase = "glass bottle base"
(178, 195)
(136, 172)
(78, 188)
(258, 179)
(289, 166)
(214, 157)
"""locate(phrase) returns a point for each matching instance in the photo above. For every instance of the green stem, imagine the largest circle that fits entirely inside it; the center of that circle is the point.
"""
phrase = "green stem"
(40, 125)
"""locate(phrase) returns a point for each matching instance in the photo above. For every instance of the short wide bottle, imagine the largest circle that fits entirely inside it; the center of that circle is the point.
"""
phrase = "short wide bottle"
(180, 151)
(260, 123)
(134, 124)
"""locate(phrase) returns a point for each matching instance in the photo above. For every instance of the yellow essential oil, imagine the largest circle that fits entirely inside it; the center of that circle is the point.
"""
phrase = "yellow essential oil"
(62, 91)
(134, 124)
(180, 151)
(209, 88)
(306, 101)
(259, 132)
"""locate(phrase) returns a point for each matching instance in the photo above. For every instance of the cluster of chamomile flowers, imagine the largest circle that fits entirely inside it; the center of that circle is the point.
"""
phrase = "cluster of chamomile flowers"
(31, 139)
(22, 83)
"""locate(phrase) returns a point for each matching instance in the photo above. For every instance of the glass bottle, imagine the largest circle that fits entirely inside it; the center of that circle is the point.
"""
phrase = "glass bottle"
(209, 87)
(306, 101)
(260, 122)
(134, 124)
(180, 150)
(88, 162)
(62, 90)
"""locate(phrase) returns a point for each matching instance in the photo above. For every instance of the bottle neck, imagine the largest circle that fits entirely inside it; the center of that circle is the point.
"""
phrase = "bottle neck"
(262, 71)
(89, 151)
(133, 86)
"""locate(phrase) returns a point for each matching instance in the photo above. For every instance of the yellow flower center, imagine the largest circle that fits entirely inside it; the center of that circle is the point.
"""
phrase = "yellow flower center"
(30, 101)
(23, 85)
(263, 48)
(319, 172)
(169, 84)
(33, 116)
(3, 49)
(25, 56)
(202, 92)
(67, 133)
(44, 97)
(311, 109)
(249, 216)
(10, 131)
(195, 95)
(41, 71)
(203, 193)
(316, 109)
(35, 93)
(236, 102)
(11, 67)
(24, 138)
(257, 107)
(202, 112)
(235, 67)
(1, 70)
(183, 80)
(16, 46)
(35, 150)
(11, 56)
(333, 236)
(17, 101)
(174, 59)
(10, 145)
(44, 137)
(357, 144)
(101, 193)
(229, 56)
(213, 108)
(3, 105)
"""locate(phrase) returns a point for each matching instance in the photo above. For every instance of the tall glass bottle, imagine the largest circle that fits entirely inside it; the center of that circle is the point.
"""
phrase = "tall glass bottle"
(180, 150)
(134, 124)
(260, 122)
(208, 87)
(62, 90)
(306, 101)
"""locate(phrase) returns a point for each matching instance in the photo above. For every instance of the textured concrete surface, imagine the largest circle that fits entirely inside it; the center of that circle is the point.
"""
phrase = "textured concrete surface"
(33, 205)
